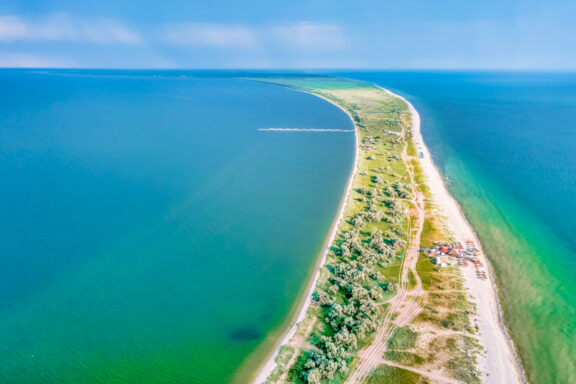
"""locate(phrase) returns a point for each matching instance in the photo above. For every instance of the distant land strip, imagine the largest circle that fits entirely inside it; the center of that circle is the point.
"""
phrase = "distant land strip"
(304, 130)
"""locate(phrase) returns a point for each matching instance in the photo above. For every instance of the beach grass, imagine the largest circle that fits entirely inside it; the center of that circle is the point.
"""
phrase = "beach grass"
(403, 338)
(404, 358)
(386, 374)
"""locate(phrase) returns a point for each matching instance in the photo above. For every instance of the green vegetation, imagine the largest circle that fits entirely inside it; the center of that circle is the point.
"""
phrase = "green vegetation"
(403, 338)
(447, 306)
(427, 272)
(362, 271)
(404, 358)
(463, 350)
(284, 355)
(386, 374)
(411, 279)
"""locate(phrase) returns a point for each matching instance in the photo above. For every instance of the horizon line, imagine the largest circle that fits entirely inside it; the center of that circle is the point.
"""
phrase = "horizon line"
(423, 69)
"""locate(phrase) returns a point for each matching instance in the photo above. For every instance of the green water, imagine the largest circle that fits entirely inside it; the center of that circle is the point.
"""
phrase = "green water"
(148, 232)
(505, 142)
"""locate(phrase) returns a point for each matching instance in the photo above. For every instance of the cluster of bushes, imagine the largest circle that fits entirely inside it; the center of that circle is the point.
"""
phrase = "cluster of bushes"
(396, 212)
(355, 287)
(369, 140)
(350, 304)
(402, 190)
(353, 109)
(350, 297)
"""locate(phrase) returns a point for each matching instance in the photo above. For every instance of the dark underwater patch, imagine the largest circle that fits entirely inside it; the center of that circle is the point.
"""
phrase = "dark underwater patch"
(245, 334)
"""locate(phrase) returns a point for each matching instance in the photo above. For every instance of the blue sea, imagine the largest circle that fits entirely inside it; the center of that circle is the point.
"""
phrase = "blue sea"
(506, 144)
(148, 232)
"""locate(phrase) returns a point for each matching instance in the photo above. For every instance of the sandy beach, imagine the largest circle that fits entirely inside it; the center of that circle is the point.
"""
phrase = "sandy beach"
(499, 361)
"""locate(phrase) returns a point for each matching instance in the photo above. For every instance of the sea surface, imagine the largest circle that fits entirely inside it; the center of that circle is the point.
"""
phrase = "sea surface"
(506, 144)
(148, 232)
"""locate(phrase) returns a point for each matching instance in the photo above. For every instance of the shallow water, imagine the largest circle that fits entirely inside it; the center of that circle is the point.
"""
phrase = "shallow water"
(148, 232)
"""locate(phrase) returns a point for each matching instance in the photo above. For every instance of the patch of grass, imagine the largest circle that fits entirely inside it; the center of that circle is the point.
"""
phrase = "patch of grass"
(425, 269)
(404, 358)
(462, 366)
(385, 374)
(296, 369)
(433, 229)
(458, 321)
(285, 354)
(456, 315)
(411, 149)
(411, 280)
(315, 83)
(403, 338)
(391, 271)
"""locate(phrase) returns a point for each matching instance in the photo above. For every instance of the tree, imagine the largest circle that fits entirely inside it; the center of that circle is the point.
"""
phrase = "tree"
(314, 376)
(323, 298)
(359, 222)
(376, 294)
(403, 190)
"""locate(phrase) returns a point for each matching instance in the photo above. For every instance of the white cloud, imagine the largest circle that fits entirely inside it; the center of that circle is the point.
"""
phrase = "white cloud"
(63, 27)
(25, 60)
(194, 44)
(296, 36)
(307, 35)
(211, 35)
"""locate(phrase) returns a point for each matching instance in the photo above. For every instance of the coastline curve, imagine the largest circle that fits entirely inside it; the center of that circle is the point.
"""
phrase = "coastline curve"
(268, 367)
(500, 362)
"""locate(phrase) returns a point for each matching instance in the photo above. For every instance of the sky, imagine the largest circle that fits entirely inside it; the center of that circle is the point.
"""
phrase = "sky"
(296, 34)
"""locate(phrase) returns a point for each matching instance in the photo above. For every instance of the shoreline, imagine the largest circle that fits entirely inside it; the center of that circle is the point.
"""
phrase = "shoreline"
(500, 360)
(268, 367)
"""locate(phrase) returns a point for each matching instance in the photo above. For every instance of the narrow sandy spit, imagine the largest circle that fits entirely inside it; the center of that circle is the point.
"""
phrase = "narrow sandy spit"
(270, 365)
(499, 363)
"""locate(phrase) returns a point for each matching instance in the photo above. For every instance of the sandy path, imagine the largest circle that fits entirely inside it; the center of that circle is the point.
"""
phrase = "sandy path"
(407, 303)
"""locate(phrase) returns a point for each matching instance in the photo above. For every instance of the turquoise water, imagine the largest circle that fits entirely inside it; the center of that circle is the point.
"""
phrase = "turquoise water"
(506, 142)
(148, 232)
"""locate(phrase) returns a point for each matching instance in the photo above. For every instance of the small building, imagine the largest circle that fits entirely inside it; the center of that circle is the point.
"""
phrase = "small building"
(441, 261)
(444, 260)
